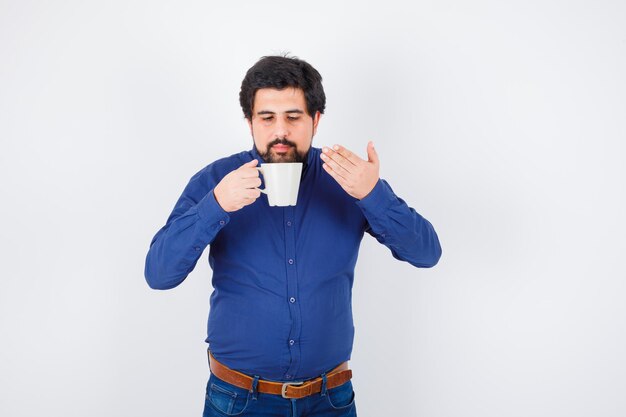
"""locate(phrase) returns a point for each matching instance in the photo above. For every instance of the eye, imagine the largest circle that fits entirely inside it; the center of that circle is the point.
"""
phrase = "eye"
(293, 118)
(267, 119)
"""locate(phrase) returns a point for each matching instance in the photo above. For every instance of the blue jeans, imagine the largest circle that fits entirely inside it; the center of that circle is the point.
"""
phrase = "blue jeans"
(224, 399)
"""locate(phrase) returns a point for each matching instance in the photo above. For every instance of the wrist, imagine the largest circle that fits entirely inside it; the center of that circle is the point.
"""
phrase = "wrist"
(363, 195)
(217, 194)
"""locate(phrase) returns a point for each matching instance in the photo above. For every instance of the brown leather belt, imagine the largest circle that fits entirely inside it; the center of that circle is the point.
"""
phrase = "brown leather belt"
(334, 378)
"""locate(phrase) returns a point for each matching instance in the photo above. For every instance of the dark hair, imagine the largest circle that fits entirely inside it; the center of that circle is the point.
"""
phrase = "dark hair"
(280, 72)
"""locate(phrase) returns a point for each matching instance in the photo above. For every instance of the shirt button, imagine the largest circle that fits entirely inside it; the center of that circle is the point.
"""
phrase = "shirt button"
(290, 261)
(288, 223)
(197, 248)
(292, 300)
(222, 222)
(383, 235)
(288, 376)
(291, 342)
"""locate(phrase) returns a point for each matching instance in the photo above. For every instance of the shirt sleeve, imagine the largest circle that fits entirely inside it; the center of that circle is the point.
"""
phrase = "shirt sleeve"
(194, 223)
(408, 235)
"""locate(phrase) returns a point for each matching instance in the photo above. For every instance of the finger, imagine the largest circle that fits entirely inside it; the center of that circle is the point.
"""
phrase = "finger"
(341, 160)
(249, 167)
(248, 172)
(253, 194)
(245, 200)
(372, 155)
(338, 163)
(347, 154)
(251, 182)
(341, 180)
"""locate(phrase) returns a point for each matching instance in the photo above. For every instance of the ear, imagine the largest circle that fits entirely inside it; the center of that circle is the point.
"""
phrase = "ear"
(316, 120)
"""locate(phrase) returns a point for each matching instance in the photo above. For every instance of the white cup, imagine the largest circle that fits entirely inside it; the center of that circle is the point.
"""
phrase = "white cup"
(282, 181)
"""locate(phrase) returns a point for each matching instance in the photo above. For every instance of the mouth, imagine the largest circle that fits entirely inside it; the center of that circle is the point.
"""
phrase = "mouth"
(279, 148)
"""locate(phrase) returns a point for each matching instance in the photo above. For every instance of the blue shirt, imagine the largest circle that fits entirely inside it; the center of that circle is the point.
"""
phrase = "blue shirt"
(282, 276)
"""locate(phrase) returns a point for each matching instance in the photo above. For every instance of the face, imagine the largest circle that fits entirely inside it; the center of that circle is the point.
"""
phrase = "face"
(281, 127)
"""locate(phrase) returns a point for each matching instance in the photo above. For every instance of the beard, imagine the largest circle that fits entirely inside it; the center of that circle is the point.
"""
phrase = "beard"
(291, 155)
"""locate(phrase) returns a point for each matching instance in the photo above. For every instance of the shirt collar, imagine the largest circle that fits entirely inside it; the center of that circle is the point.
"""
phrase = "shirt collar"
(256, 155)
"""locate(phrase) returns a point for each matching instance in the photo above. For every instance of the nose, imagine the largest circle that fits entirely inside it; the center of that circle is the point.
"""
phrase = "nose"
(281, 129)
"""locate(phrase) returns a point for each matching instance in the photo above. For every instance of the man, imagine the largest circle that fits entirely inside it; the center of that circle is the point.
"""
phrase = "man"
(280, 328)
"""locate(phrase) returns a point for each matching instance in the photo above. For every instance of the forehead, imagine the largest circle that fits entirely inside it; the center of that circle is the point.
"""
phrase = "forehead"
(271, 99)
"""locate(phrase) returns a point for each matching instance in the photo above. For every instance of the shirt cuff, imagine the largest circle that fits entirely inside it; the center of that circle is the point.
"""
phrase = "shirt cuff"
(378, 200)
(211, 212)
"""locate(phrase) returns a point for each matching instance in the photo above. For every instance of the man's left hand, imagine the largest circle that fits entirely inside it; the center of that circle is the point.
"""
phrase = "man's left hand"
(355, 175)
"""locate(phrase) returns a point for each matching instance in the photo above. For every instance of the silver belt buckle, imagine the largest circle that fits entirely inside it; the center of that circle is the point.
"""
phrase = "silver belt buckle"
(286, 384)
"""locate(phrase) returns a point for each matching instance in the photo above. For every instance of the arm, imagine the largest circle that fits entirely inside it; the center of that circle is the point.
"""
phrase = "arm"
(408, 235)
(193, 224)
(390, 220)
(199, 215)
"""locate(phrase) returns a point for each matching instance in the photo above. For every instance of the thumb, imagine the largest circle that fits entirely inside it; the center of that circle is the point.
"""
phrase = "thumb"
(372, 155)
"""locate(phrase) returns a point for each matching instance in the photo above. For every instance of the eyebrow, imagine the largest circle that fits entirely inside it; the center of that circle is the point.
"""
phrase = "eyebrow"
(288, 111)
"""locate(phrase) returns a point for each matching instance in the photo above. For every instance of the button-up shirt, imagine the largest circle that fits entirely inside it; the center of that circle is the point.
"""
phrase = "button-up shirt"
(282, 276)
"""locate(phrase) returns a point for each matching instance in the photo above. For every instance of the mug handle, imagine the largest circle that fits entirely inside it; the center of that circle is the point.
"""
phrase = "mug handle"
(261, 172)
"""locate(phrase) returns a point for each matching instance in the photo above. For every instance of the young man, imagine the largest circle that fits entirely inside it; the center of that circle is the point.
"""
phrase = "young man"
(280, 328)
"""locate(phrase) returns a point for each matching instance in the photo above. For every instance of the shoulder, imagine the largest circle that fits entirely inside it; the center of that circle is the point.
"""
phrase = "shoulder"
(217, 169)
(209, 176)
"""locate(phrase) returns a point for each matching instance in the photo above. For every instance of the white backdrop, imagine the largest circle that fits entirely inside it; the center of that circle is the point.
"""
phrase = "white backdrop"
(503, 123)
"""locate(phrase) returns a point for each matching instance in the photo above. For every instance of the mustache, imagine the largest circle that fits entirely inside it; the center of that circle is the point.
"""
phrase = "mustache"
(281, 142)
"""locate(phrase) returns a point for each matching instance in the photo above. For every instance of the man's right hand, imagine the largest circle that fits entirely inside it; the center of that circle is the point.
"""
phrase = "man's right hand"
(239, 188)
